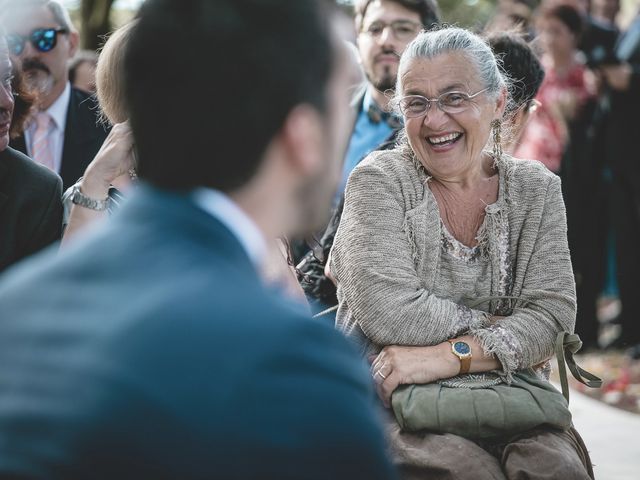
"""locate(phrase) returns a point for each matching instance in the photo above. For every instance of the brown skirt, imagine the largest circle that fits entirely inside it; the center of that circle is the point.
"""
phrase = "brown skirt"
(544, 454)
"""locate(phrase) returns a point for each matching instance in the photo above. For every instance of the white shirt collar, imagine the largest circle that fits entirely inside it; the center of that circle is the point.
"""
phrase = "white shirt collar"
(58, 109)
(220, 206)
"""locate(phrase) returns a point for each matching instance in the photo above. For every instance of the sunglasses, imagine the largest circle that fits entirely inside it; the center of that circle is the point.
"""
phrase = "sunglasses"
(42, 39)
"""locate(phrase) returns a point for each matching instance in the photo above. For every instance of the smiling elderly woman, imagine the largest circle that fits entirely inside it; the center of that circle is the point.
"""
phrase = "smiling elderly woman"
(437, 223)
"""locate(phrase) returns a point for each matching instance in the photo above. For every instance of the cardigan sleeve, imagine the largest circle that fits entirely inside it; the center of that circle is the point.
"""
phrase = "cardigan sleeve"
(548, 299)
(372, 261)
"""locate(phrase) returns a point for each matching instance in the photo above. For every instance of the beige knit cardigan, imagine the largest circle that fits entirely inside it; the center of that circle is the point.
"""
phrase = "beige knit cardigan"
(386, 251)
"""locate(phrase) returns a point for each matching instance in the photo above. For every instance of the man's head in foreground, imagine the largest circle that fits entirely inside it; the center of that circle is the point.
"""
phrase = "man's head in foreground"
(247, 97)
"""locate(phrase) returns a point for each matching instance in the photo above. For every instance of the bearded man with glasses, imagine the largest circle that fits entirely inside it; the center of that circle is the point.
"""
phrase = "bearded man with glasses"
(384, 29)
(64, 134)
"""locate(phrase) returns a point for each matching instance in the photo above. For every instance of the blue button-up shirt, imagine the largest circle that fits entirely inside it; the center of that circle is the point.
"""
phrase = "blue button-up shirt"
(366, 136)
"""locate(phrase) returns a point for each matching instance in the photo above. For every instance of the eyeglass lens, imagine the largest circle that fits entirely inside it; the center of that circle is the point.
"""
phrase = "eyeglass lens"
(401, 29)
(449, 102)
(42, 39)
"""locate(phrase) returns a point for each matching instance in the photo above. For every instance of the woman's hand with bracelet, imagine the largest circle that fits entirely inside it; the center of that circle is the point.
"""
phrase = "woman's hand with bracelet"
(114, 160)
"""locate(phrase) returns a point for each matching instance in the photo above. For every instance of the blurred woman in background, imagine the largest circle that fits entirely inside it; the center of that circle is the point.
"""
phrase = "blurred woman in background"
(522, 67)
(565, 90)
(100, 190)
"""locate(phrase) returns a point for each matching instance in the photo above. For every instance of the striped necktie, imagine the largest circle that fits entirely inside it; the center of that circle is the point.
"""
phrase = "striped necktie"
(41, 150)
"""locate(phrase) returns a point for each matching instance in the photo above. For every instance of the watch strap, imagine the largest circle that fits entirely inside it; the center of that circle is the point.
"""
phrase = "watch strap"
(465, 365)
(79, 198)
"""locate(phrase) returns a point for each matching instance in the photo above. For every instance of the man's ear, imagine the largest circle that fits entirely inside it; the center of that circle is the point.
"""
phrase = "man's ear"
(357, 25)
(301, 137)
(74, 42)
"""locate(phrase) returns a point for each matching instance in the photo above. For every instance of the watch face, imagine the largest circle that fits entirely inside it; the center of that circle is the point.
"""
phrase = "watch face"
(462, 348)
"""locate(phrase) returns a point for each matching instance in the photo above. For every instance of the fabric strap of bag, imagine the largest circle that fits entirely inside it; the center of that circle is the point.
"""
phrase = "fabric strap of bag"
(567, 344)
(326, 312)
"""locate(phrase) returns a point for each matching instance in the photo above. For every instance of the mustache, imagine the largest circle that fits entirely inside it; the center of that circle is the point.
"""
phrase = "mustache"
(34, 64)
(386, 52)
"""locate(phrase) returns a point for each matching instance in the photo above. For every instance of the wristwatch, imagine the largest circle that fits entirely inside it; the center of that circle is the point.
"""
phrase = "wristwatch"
(462, 350)
(79, 198)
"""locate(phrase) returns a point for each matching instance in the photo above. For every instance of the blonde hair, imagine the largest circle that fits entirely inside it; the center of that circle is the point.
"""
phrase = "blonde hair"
(110, 76)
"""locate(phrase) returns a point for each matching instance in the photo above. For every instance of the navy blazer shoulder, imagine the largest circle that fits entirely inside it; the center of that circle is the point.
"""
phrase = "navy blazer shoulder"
(30, 207)
(160, 354)
(83, 136)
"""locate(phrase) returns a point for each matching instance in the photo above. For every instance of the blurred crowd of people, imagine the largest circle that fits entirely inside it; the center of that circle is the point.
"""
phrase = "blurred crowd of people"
(583, 131)
(187, 172)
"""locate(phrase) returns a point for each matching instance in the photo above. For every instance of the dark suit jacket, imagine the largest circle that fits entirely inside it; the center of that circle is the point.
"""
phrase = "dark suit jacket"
(621, 123)
(30, 207)
(83, 137)
(152, 350)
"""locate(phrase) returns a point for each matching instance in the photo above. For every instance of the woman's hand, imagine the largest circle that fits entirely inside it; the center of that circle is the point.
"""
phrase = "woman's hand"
(114, 159)
(397, 365)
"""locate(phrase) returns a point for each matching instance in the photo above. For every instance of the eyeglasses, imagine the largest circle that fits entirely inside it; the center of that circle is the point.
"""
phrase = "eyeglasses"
(42, 39)
(449, 102)
(403, 30)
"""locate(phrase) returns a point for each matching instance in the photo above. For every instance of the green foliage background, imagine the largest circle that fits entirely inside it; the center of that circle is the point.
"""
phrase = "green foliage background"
(473, 14)
(465, 13)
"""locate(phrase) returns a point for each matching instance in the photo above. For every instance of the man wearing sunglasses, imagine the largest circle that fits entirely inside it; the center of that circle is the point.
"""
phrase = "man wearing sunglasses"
(64, 134)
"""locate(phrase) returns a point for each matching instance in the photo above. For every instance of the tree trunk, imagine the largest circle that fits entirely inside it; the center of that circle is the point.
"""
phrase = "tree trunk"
(96, 23)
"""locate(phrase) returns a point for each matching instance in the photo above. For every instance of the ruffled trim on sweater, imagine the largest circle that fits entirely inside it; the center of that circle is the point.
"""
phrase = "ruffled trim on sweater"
(497, 340)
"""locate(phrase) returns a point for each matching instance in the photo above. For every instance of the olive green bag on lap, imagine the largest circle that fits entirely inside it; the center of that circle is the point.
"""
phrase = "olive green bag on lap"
(482, 406)
(482, 412)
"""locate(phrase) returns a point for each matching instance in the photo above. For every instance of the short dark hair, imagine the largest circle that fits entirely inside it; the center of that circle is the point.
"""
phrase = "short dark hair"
(521, 65)
(427, 9)
(567, 14)
(209, 84)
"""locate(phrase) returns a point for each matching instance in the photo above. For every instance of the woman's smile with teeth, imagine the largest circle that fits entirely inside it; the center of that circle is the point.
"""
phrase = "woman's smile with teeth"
(443, 139)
